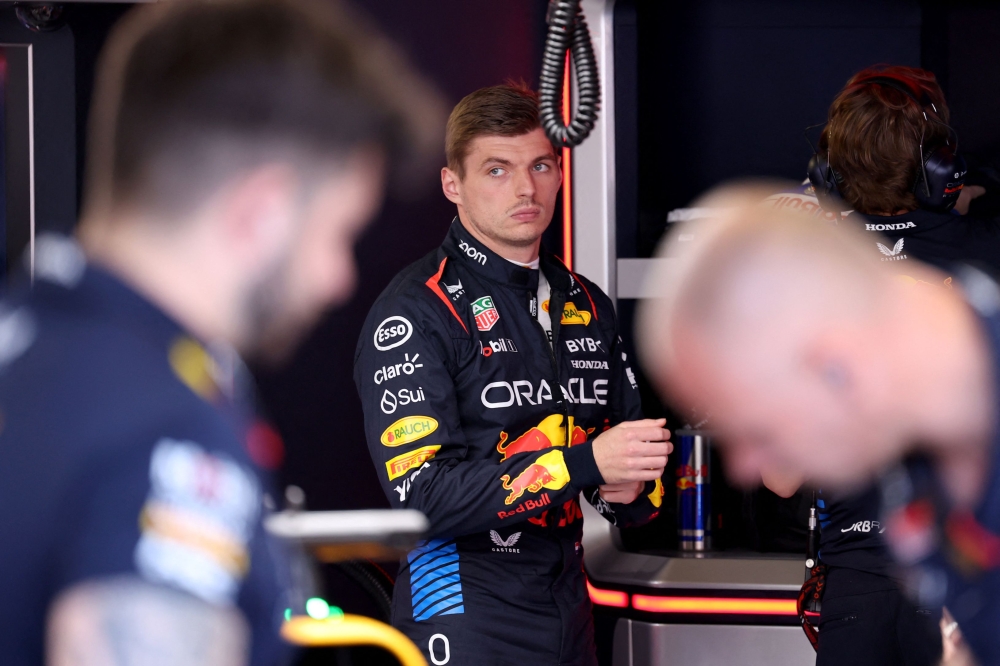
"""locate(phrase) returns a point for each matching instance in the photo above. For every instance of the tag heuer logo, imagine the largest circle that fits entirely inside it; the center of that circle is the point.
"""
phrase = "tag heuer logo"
(485, 314)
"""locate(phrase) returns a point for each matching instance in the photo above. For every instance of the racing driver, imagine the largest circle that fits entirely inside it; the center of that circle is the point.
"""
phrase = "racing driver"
(495, 391)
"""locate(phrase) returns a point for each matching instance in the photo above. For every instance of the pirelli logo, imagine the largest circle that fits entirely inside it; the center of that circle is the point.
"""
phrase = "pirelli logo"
(400, 465)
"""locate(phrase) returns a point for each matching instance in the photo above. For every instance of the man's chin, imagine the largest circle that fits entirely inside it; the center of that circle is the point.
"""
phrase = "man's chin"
(275, 346)
(524, 234)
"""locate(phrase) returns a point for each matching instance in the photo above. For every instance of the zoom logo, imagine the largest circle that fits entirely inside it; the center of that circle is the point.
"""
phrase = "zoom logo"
(472, 253)
(392, 332)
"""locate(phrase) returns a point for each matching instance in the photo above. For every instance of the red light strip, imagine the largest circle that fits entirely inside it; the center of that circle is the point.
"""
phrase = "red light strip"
(567, 166)
(709, 605)
(614, 598)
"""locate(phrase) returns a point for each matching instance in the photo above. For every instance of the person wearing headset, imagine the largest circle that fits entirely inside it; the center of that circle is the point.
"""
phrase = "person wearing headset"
(888, 162)
(889, 154)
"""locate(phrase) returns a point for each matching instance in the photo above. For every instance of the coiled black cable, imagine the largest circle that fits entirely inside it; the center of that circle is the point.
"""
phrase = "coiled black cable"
(568, 31)
(374, 581)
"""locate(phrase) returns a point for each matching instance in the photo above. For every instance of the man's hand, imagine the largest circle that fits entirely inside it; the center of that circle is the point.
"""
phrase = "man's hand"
(965, 197)
(622, 493)
(633, 451)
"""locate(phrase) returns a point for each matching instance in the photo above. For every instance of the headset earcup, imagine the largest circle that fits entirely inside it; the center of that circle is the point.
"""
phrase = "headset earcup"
(945, 172)
(825, 181)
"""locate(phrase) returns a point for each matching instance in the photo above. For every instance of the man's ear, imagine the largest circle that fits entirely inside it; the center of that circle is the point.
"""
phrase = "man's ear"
(450, 185)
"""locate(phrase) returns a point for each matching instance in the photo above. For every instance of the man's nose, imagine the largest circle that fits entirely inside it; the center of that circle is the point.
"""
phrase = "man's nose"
(524, 184)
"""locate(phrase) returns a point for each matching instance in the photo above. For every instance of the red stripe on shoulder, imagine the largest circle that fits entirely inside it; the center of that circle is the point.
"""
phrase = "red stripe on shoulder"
(593, 308)
(434, 283)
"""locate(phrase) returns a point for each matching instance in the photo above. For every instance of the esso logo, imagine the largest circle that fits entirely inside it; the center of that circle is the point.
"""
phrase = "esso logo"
(392, 332)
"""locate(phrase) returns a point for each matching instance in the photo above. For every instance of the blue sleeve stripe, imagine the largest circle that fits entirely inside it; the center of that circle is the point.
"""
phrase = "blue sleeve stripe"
(435, 581)
(430, 586)
(438, 601)
(457, 610)
(453, 606)
(432, 563)
(430, 549)
(445, 568)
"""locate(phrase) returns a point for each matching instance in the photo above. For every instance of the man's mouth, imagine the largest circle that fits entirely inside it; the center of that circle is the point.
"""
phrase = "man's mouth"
(526, 214)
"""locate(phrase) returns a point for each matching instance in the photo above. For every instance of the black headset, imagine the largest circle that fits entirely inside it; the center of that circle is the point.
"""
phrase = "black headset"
(942, 171)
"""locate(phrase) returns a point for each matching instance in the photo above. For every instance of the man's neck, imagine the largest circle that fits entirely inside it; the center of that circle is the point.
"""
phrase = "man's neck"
(519, 254)
(167, 270)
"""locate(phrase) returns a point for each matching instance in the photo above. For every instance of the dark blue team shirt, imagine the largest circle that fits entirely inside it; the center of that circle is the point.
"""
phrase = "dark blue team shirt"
(121, 453)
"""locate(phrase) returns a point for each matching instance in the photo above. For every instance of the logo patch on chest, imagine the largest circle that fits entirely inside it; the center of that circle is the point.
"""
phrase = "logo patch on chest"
(485, 313)
(570, 314)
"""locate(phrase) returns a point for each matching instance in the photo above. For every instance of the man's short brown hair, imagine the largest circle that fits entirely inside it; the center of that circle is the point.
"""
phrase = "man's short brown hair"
(190, 93)
(510, 109)
(873, 134)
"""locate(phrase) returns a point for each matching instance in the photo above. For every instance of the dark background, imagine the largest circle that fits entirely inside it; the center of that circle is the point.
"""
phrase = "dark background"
(705, 91)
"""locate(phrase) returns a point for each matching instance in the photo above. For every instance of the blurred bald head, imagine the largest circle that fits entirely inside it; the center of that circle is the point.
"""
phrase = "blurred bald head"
(791, 335)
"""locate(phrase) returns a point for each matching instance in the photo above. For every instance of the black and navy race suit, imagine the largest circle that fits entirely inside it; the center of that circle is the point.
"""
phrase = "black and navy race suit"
(122, 454)
(473, 417)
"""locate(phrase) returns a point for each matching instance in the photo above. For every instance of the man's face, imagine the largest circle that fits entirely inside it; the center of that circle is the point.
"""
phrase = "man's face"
(509, 190)
(782, 415)
(318, 270)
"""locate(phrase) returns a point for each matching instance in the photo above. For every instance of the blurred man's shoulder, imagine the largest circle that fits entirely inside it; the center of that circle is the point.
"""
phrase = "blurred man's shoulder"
(801, 198)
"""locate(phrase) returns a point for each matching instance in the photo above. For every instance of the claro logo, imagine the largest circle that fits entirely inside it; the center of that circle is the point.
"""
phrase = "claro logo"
(392, 332)
(472, 253)
(408, 429)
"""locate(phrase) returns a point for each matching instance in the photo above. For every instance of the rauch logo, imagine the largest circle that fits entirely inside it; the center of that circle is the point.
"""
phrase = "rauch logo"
(408, 429)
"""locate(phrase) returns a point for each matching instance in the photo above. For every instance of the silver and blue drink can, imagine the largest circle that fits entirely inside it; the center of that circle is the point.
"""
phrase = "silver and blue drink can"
(694, 491)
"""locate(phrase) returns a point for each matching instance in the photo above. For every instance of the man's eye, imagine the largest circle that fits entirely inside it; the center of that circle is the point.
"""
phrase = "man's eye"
(541, 167)
(496, 171)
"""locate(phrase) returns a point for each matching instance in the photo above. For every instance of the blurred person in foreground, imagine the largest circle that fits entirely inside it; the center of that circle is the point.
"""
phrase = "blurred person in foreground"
(496, 391)
(816, 359)
(237, 149)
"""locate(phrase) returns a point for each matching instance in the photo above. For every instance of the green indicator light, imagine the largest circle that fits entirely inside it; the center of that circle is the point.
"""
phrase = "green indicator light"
(336, 613)
(288, 614)
(318, 609)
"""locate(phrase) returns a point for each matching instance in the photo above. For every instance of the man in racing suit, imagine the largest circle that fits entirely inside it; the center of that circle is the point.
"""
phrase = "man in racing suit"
(492, 385)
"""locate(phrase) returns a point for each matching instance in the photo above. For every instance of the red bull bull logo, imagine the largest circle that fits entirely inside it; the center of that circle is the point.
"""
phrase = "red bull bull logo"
(548, 471)
(567, 514)
(545, 435)
(656, 497)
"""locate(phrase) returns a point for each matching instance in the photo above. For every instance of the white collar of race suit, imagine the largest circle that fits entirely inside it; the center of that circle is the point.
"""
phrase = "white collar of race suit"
(533, 265)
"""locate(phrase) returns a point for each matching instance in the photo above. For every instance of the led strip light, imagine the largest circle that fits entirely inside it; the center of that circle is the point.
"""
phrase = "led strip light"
(702, 605)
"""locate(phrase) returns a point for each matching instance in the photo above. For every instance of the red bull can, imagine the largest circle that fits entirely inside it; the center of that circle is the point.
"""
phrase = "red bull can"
(694, 491)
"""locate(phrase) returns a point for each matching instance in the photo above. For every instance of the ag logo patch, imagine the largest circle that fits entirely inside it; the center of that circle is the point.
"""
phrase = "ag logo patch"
(485, 313)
